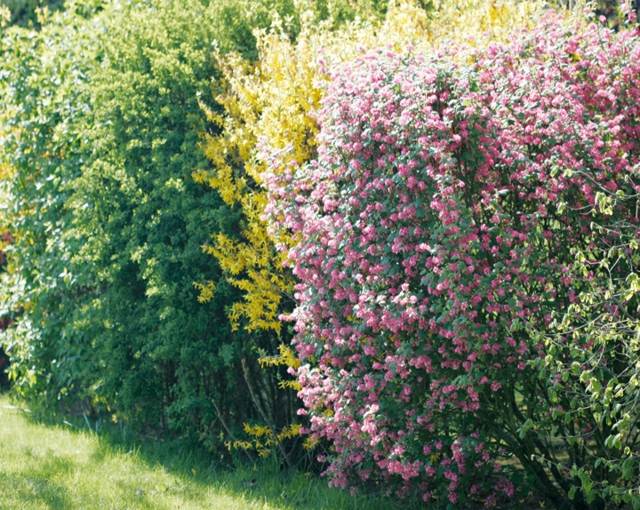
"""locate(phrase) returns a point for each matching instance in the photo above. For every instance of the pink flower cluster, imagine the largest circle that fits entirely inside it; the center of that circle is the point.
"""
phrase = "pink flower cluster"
(435, 230)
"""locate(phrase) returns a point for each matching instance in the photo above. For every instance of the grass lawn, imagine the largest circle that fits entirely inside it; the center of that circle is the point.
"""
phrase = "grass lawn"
(60, 467)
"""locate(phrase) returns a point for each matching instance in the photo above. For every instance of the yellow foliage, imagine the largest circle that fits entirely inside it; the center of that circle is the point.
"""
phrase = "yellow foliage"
(264, 439)
(289, 432)
(285, 357)
(310, 443)
(206, 291)
(253, 266)
(257, 431)
(290, 385)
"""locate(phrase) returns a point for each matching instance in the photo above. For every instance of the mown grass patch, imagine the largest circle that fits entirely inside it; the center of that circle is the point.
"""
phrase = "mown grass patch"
(60, 466)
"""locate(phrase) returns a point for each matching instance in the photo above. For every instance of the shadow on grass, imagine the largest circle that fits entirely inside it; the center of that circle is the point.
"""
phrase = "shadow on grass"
(35, 486)
(193, 475)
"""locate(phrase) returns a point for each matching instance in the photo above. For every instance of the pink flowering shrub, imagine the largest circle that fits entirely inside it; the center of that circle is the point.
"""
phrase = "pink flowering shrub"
(459, 224)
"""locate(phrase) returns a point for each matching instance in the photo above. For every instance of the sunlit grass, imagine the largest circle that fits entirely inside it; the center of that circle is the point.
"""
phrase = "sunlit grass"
(59, 467)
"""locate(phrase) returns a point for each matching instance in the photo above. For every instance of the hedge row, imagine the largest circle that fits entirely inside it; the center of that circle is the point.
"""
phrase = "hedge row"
(450, 223)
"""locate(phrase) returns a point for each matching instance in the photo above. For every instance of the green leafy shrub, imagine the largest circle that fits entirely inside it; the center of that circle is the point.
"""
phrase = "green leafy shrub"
(103, 126)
